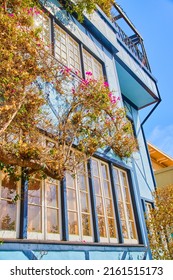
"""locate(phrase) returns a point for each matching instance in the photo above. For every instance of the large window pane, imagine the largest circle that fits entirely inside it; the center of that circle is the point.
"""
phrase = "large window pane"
(52, 221)
(34, 218)
(7, 215)
(73, 223)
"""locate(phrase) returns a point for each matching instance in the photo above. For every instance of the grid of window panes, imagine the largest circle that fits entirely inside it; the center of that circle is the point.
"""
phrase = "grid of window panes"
(104, 201)
(8, 207)
(78, 204)
(125, 205)
(43, 208)
(92, 65)
(67, 50)
(43, 22)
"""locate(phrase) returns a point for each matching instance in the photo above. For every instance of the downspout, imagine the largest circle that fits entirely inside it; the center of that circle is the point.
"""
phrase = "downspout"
(145, 141)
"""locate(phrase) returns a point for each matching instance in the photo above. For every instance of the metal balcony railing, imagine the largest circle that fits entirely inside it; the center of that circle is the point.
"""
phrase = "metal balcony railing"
(132, 47)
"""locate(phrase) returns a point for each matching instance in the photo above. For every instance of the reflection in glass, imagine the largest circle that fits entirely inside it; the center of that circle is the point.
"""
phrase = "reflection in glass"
(34, 191)
(71, 199)
(102, 226)
(99, 206)
(86, 225)
(95, 168)
(104, 171)
(109, 209)
(97, 186)
(7, 215)
(8, 187)
(69, 181)
(82, 182)
(73, 223)
(107, 189)
(124, 229)
(34, 218)
(111, 227)
(84, 202)
(52, 195)
(52, 221)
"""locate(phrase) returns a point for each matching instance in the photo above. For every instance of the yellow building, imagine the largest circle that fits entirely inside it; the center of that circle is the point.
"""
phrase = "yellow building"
(162, 165)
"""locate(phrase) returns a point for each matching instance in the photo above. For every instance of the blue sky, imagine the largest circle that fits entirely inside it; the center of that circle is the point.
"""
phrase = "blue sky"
(154, 21)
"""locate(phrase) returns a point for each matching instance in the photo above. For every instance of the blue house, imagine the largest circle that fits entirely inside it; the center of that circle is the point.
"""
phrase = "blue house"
(99, 216)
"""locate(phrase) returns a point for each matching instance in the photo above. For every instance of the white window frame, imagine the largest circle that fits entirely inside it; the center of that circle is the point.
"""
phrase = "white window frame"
(107, 239)
(128, 240)
(12, 233)
(80, 236)
(44, 235)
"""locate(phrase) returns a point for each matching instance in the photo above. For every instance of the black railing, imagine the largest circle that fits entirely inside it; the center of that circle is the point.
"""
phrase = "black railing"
(132, 47)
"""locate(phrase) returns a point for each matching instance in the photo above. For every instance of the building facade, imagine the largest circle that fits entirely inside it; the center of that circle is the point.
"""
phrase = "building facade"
(162, 166)
(99, 216)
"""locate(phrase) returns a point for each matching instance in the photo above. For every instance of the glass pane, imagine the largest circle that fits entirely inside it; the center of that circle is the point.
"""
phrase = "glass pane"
(132, 230)
(104, 170)
(82, 182)
(8, 187)
(102, 226)
(126, 194)
(97, 186)
(86, 225)
(107, 190)
(109, 209)
(124, 230)
(99, 206)
(84, 202)
(73, 223)
(52, 195)
(71, 200)
(95, 168)
(111, 226)
(123, 177)
(69, 181)
(129, 211)
(116, 177)
(7, 215)
(52, 221)
(34, 218)
(119, 192)
(121, 210)
(34, 192)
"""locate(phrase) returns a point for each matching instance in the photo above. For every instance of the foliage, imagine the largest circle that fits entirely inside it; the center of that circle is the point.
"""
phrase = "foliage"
(160, 224)
(80, 6)
(34, 133)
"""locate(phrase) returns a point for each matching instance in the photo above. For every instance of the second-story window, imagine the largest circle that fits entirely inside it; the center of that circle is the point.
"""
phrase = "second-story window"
(67, 49)
(92, 65)
(42, 21)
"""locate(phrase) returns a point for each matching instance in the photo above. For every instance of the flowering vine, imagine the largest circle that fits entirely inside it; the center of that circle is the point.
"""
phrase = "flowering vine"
(51, 120)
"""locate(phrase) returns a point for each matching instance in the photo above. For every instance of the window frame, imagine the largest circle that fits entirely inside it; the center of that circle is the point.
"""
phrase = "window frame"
(12, 233)
(80, 236)
(107, 239)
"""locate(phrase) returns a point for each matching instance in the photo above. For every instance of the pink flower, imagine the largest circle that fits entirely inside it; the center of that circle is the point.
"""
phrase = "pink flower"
(106, 84)
(73, 90)
(11, 15)
(89, 73)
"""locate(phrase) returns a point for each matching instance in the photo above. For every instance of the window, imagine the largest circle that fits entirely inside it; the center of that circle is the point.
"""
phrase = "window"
(42, 21)
(104, 202)
(125, 206)
(92, 65)
(43, 209)
(78, 204)
(9, 219)
(67, 50)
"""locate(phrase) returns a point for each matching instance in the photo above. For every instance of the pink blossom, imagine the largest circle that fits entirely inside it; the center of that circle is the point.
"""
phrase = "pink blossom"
(11, 15)
(106, 84)
(89, 73)
(73, 90)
